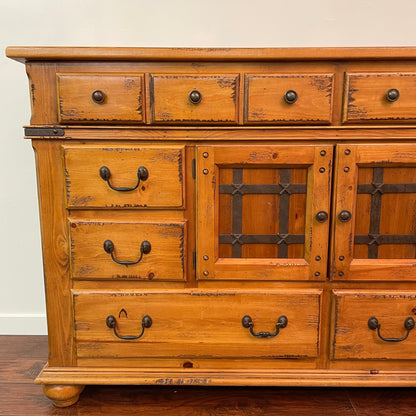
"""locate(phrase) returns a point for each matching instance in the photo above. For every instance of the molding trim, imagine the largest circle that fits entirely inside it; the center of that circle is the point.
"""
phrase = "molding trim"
(23, 324)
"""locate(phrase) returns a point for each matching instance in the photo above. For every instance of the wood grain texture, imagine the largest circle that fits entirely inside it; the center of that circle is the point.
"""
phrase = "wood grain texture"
(165, 261)
(29, 53)
(55, 243)
(170, 102)
(20, 397)
(189, 162)
(163, 187)
(366, 101)
(123, 98)
(266, 103)
(393, 220)
(196, 324)
(355, 340)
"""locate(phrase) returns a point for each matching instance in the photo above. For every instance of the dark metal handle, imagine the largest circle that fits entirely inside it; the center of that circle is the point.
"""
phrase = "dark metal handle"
(321, 216)
(392, 95)
(112, 323)
(291, 96)
(195, 97)
(142, 175)
(344, 215)
(409, 324)
(248, 323)
(98, 96)
(145, 248)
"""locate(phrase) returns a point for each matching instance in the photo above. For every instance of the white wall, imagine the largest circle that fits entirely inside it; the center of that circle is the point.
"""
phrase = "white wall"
(239, 23)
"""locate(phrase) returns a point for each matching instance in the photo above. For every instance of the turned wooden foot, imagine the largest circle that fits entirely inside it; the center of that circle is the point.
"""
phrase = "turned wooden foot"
(62, 395)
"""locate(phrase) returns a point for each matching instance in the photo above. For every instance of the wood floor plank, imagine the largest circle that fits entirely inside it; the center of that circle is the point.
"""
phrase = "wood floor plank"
(20, 397)
(24, 346)
(383, 401)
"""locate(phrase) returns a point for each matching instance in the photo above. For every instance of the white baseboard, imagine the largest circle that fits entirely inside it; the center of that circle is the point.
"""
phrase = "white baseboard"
(23, 324)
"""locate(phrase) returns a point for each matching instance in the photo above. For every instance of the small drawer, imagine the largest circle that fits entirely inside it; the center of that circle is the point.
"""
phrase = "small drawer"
(190, 98)
(128, 251)
(195, 323)
(289, 99)
(100, 98)
(374, 325)
(124, 177)
(380, 97)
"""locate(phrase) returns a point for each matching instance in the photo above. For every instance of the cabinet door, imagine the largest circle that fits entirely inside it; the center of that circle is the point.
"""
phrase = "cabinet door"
(375, 212)
(263, 212)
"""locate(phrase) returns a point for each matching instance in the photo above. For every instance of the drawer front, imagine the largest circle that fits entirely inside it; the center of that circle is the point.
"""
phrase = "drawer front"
(353, 337)
(375, 97)
(93, 173)
(106, 250)
(284, 99)
(100, 98)
(203, 99)
(193, 323)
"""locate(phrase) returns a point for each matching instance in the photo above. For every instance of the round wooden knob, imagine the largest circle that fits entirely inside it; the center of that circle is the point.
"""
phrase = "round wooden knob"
(392, 95)
(195, 97)
(98, 96)
(291, 96)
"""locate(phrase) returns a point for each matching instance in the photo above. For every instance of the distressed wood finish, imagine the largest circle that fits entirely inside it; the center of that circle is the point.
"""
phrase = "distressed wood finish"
(170, 101)
(366, 101)
(353, 339)
(383, 218)
(165, 261)
(312, 263)
(265, 95)
(162, 189)
(122, 101)
(241, 207)
(197, 324)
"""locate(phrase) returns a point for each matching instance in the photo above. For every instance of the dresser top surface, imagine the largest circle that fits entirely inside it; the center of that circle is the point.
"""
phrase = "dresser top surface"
(40, 53)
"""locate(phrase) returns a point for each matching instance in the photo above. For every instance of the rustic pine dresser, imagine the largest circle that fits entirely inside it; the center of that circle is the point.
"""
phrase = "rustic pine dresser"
(226, 216)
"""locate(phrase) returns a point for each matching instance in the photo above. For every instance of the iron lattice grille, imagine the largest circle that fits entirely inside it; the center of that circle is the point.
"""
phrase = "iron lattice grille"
(377, 188)
(283, 189)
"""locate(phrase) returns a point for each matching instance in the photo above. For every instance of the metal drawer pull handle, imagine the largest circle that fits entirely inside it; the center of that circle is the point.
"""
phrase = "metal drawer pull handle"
(409, 324)
(112, 323)
(98, 96)
(248, 323)
(195, 97)
(142, 175)
(145, 248)
(290, 96)
(392, 95)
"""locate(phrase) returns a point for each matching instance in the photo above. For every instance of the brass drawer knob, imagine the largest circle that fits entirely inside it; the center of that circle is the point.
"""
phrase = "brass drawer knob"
(98, 96)
(280, 324)
(145, 248)
(291, 96)
(409, 324)
(112, 324)
(392, 95)
(142, 175)
(195, 97)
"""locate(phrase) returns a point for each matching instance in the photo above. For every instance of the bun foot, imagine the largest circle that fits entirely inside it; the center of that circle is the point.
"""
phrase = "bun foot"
(62, 395)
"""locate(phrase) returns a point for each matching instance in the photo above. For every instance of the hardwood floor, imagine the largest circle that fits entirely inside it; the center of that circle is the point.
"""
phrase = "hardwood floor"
(22, 357)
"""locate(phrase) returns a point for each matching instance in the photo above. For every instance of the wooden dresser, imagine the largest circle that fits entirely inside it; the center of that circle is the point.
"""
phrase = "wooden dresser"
(226, 216)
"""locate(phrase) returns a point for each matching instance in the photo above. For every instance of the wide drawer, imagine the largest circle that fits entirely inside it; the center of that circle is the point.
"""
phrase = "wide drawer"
(356, 334)
(107, 250)
(196, 323)
(287, 99)
(100, 98)
(191, 98)
(98, 177)
(380, 97)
